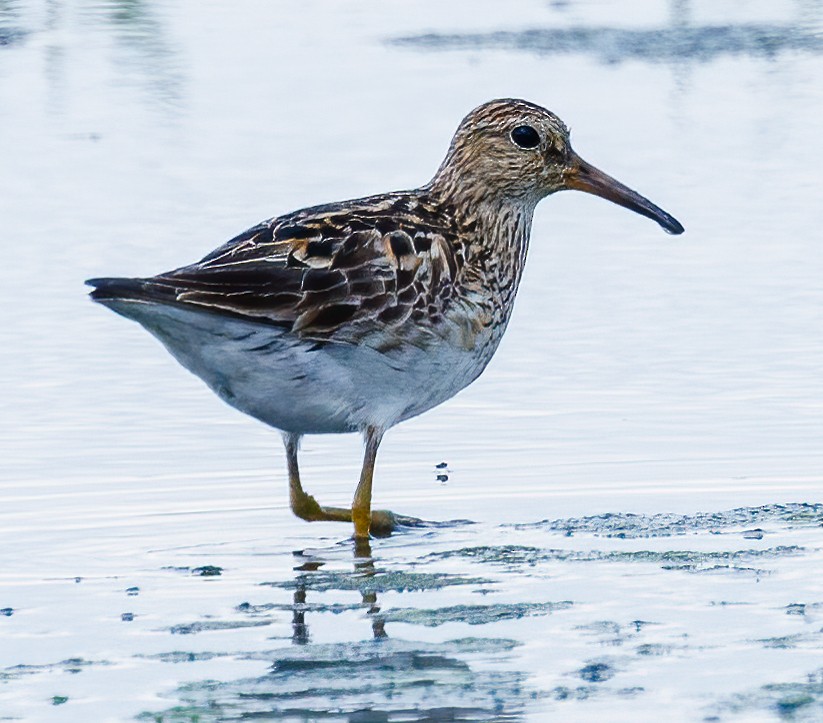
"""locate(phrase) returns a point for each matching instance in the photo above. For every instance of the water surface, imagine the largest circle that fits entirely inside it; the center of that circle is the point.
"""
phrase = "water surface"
(642, 459)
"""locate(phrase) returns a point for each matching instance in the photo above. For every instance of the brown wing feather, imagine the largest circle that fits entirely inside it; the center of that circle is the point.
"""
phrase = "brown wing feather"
(329, 272)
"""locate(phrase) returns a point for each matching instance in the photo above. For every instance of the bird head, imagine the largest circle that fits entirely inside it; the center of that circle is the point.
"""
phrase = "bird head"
(513, 149)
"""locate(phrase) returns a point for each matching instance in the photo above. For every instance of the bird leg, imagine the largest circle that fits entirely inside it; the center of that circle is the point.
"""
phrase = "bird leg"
(361, 504)
(306, 507)
(302, 504)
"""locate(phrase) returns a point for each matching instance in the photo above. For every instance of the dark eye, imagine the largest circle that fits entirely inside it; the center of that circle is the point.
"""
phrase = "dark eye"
(526, 137)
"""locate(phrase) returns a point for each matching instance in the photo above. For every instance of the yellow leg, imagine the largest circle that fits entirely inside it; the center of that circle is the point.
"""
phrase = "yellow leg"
(302, 504)
(361, 505)
(306, 507)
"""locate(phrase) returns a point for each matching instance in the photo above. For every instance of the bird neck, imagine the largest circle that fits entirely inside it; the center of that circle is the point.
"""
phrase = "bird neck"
(490, 237)
(495, 229)
(500, 242)
(501, 226)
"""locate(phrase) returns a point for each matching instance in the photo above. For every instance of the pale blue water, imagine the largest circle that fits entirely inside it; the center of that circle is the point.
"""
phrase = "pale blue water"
(641, 374)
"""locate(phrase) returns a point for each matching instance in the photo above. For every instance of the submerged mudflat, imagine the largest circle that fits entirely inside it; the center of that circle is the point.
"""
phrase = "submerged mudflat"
(720, 614)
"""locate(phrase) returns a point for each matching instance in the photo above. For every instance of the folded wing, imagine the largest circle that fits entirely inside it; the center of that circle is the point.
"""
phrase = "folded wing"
(326, 273)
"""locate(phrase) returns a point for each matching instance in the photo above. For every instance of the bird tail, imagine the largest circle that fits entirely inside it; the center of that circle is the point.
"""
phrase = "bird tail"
(123, 288)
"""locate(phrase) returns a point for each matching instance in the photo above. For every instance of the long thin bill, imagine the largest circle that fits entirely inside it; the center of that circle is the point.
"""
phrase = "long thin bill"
(583, 176)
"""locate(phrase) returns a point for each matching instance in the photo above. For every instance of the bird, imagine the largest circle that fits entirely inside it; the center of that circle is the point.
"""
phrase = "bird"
(357, 315)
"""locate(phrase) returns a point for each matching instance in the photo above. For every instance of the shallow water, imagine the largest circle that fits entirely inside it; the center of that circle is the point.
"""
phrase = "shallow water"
(641, 461)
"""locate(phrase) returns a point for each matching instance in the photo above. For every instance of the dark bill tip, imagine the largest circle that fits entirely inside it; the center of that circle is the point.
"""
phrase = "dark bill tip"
(583, 176)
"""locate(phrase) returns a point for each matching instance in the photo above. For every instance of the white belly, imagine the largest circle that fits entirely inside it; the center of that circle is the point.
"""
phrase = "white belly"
(301, 387)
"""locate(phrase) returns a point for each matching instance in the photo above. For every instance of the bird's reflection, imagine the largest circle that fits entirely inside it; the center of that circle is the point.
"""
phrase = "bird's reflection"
(300, 634)
(364, 568)
(364, 565)
(361, 675)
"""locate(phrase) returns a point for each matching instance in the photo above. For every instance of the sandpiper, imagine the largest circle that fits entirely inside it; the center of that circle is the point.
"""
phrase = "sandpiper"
(357, 315)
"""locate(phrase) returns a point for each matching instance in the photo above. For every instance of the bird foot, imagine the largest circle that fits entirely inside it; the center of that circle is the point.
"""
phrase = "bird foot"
(384, 522)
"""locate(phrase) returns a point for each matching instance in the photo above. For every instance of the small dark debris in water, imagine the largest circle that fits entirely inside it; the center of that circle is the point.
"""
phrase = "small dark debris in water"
(8, 612)
(207, 571)
(796, 609)
(756, 534)
(59, 699)
(443, 470)
(596, 672)
(132, 591)
(78, 579)
(127, 617)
